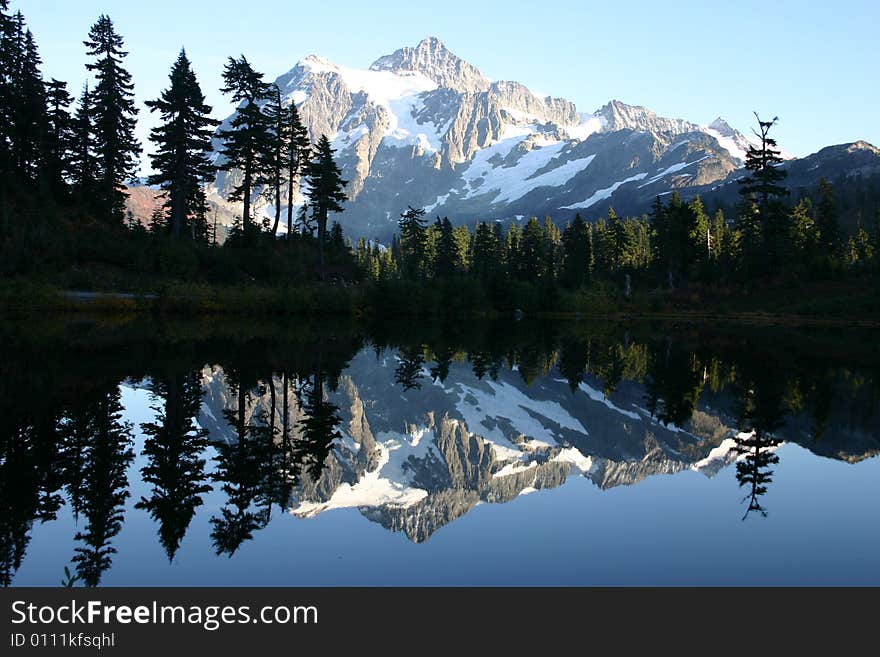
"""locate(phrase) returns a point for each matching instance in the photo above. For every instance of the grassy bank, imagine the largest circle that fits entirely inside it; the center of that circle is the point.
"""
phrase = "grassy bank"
(846, 300)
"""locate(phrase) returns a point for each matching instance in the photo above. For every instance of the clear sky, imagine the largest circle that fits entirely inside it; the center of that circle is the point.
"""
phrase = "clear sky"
(814, 64)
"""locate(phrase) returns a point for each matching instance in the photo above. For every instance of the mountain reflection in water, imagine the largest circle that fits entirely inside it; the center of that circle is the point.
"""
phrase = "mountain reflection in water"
(413, 426)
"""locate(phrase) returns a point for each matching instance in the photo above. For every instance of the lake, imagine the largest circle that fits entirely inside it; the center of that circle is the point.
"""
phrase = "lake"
(148, 453)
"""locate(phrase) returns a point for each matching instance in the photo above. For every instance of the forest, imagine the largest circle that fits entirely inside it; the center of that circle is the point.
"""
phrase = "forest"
(66, 165)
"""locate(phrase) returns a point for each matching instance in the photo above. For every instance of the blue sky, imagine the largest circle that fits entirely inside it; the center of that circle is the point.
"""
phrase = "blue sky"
(812, 64)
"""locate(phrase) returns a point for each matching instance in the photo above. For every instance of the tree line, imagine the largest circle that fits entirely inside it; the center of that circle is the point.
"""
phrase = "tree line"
(77, 157)
(675, 245)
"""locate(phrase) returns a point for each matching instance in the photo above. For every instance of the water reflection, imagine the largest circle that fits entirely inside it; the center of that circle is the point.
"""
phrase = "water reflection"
(414, 426)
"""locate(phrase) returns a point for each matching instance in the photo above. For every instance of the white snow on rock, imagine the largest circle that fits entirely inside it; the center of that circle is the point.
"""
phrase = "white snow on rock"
(603, 193)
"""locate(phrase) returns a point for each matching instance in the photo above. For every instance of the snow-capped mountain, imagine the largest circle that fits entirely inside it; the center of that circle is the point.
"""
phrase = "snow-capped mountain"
(423, 127)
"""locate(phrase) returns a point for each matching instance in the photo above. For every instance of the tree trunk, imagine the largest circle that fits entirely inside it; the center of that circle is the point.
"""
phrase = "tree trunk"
(322, 228)
(290, 203)
(246, 194)
(277, 203)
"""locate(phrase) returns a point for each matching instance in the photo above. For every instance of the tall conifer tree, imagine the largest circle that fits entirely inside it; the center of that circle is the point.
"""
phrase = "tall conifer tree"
(114, 115)
(248, 139)
(326, 192)
(183, 142)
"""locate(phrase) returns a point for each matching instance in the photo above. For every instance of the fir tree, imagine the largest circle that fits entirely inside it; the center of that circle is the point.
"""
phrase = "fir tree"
(762, 183)
(28, 119)
(183, 142)
(826, 220)
(576, 253)
(326, 192)
(531, 251)
(295, 152)
(412, 242)
(446, 259)
(83, 160)
(59, 137)
(248, 138)
(114, 115)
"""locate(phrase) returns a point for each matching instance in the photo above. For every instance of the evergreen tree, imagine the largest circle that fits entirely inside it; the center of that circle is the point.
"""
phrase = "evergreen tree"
(532, 253)
(83, 160)
(183, 142)
(295, 153)
(576, 249)
(446, 260)
(412, 242)
(763, 183)
(114, 115)
(28, 119)
(6, 107)
(826, 220)
(248, 139)
(326, 192)
(700, 238)
(59, 137)
(176, 467)
(485, 259)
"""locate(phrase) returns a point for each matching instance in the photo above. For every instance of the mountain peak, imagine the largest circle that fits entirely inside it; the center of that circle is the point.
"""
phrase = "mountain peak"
(435, 61)
(722, 127)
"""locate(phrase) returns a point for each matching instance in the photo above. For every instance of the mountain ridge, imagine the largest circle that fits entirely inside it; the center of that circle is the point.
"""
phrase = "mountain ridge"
(423, 127)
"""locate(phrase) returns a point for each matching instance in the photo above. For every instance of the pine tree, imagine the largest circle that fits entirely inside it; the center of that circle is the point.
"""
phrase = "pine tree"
(326, 192)
(275, 119)
(114, 119)
(576, 253)
(826, 220)
(83, 160)
(618, 239)
(446, 257)
(29, 123)
(762, 182)
(183, 142)
(412, 242)
(700, 238)
(532, 253)
(8, 57)
(295, 151)
(248, 138)
(485, 259)
(59, 137)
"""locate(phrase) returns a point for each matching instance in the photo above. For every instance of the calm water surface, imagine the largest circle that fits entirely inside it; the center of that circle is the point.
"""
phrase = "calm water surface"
(505, 453)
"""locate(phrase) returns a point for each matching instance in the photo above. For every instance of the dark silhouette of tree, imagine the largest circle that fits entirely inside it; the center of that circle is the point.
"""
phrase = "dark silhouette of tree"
(98, 484)
(763, 184)
(326, 192)
(411, 359)
(574, 360)
(83, 160)
(174, 448)
(826, 220)
(59, 137)
(412, 243)
(113, 113)
(295, 153)
(577, 253)
(239, 469)
(28, 117)
(31, 475)
(318, 427)
(673, 384)
(248, 139)
(760, 391)
(183, 143)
